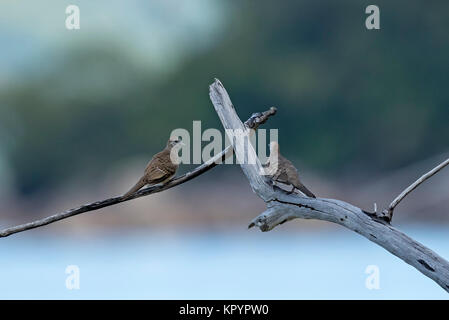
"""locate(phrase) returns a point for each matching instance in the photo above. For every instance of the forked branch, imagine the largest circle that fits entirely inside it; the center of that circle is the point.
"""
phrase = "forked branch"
(282, 207)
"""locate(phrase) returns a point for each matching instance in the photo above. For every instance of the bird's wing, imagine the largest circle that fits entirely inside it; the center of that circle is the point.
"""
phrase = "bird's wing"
(160, 168)
(294, 177)
(156, 173)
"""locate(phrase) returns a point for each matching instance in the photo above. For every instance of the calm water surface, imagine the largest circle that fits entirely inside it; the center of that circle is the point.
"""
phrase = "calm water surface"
(215, 265)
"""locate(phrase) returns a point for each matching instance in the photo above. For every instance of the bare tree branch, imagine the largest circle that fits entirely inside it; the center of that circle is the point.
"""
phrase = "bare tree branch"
(389, 212)
(253, 123)
(282, 207)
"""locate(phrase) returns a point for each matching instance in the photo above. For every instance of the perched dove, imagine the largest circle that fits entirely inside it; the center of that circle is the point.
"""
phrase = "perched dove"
(160, 169)
(281, 170)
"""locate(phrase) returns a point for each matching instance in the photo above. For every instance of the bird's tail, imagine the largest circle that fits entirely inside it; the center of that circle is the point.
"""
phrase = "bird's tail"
(306, 191)
(134, 189)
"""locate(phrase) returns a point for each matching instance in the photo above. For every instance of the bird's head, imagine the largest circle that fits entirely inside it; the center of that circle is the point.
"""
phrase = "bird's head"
(174, 141)
(174, 145)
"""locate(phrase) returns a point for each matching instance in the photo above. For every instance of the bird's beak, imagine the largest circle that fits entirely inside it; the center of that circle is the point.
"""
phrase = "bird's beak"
(252, 224)
(182, 143)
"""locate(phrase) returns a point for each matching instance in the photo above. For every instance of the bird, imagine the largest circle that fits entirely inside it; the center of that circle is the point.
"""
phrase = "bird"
(161, 168)
(282, 170)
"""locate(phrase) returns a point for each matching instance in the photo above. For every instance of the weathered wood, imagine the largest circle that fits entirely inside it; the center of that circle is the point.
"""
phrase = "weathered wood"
(231, 122)
(282, 207)
(388, 213)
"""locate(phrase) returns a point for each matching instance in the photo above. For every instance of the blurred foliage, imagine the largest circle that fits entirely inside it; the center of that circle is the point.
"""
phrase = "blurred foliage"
(347, 97)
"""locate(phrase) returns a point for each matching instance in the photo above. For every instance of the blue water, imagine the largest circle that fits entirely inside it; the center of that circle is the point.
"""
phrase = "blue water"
(215, 265)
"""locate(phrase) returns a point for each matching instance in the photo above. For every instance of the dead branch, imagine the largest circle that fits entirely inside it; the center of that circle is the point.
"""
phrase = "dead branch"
(389, 212)
(283, 207)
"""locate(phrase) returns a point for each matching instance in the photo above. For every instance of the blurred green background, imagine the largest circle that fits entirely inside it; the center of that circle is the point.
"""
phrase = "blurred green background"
(348, 97)
(362, 113)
